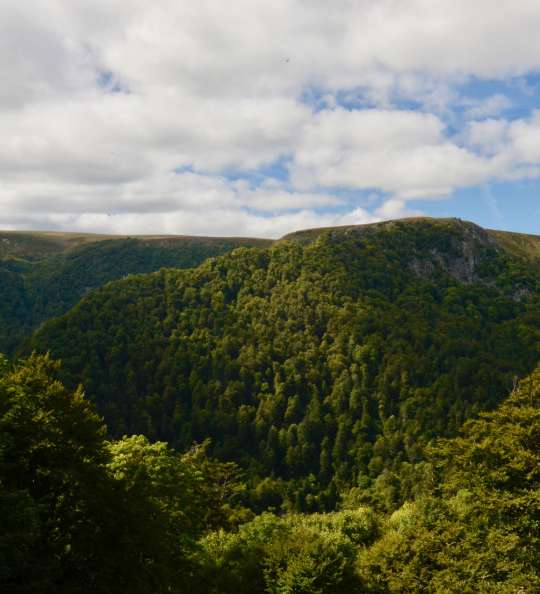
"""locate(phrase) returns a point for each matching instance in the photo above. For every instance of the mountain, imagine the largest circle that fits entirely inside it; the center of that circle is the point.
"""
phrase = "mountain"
(42, 275)
(325, 362)
(38, 245)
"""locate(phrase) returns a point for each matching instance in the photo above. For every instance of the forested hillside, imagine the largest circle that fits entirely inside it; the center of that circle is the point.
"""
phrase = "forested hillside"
(323, 364)
(473, 527)
(82, 514)
(42, 275)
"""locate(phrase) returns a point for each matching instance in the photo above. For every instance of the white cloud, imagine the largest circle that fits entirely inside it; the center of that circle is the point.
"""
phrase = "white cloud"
(216, 221)
(39, 60)
(186, 203)
(525, 138)
(402, 152)
(121, 137)
(102, 101)
(515, 145)
(220, 48)
(396, 209)
(492, 106)
(488, 135)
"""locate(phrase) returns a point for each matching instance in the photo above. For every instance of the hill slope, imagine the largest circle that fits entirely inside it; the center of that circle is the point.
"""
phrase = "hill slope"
(33, 246)
(325, 361)
(42, 275)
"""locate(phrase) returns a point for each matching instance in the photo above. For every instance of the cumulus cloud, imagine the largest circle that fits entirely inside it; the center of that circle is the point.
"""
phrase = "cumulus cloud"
(253, 117)
(186, 203)
(402, 152)
(492, 106)
(225, 48)
(488, 136)
(525, 138)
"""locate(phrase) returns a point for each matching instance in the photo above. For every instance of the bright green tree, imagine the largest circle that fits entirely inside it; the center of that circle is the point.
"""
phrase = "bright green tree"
(51, 453)
(478, 527)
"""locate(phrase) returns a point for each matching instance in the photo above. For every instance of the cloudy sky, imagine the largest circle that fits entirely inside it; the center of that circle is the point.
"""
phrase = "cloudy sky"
(253, 117)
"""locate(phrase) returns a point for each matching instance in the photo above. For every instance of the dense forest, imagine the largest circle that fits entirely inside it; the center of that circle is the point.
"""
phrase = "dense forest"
(44, 275)
(84, 514)
(322, 365)
(345, 410)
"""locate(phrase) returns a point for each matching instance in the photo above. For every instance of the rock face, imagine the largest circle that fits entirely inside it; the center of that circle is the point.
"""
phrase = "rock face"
(461, 259)
(455, 247)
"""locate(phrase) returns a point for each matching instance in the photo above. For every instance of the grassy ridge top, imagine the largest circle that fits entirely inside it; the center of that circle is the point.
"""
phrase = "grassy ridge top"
(518, 244)
(38, 245)
(345, 229)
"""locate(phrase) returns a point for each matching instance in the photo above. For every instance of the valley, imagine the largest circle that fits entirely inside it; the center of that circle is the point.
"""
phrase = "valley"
(335, 405)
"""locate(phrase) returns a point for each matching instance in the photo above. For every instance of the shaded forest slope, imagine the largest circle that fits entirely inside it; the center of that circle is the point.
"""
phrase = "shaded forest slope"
(42, 275)
(326, 361)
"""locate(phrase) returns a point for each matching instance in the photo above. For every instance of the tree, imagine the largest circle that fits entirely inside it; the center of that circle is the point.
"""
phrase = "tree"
(82, 514)
(477, 526)
(51, 451)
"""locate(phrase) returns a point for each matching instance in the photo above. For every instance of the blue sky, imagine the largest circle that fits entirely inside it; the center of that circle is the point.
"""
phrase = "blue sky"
(257, 118)
(509, 207)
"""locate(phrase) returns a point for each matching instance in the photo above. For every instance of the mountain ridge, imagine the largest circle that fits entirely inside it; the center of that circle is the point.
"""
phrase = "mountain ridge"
(42, 276)
(508, 239)
(28, 243)
(44, 273)
(65, 240)
(337, 358)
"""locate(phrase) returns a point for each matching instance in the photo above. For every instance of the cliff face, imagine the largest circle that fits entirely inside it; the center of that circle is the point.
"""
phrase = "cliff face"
(433, 246)
(462, 259)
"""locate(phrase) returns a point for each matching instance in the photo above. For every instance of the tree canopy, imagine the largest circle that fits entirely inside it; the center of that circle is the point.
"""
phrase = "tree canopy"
(340, 413)
(42, 277)
(83, 514)
(319, 364)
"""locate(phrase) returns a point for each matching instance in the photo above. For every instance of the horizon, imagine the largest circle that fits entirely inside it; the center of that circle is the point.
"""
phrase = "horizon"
(257, 120)
(56, 233)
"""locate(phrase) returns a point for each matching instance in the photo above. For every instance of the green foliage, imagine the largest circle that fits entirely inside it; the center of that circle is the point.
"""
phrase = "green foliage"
(233, 562)
(51, 451)
(310, 562)
(82, 514)
(42, 276)
(319, 365)
(169, 500)
(479, 530)
(290, 554)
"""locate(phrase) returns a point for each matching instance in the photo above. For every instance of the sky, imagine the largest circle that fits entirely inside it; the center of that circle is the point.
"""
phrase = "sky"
(257, 118)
